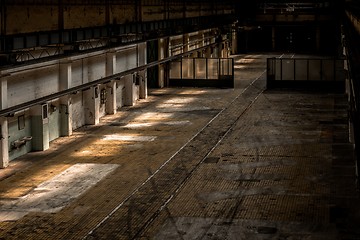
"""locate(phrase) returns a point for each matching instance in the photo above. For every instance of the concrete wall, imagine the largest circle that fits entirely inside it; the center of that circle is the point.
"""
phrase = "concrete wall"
(77, 110)
(83, 16)
(120, 93)
(30, 18)
(59, 117)
(54, 120)
(15, 134)
(30, 82)
(23, 17)
(123, 13)
(126, 58)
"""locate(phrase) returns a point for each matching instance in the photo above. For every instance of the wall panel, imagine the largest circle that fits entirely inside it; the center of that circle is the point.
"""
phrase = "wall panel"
(78, 112)
(120, 14)
(84, 16)
(126, 59)
(28, 85)
(96, 67)
(31, 18)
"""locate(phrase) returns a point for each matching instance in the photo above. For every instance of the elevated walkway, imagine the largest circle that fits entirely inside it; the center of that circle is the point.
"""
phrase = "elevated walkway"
(195, 163)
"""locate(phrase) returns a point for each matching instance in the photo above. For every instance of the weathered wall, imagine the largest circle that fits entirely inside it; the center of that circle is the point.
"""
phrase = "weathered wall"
(84, 16)
(96, 67)
(28, 84)
(126, 59)
(31, 18)
(54, 120)
(124, 13)
(15, 134)
(78, 112)
(120, 93)
(25, 83)
(40, 16)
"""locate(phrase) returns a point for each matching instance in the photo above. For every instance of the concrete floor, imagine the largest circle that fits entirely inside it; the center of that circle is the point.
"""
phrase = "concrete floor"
(191, 163)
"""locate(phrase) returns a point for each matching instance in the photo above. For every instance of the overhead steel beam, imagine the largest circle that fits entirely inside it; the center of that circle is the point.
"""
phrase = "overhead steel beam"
(11, 43)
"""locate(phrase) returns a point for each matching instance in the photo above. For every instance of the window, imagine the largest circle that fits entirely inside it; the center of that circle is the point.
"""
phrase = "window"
(44, 111)
(21, 122)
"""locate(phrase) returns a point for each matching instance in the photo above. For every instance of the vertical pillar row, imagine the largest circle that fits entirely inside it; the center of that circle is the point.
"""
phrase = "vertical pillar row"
(234, 41)
(65, 102)
(162, 49)
(143, 84)
(129, 90)
(4, 135)
(40, 127)
(92, 105)
(110, 105)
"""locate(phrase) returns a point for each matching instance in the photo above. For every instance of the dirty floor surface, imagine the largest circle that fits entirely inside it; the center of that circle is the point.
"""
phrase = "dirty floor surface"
(194, 163)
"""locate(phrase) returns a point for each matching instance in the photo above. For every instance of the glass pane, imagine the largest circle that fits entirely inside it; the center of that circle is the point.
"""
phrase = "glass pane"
(231, 66)
(213, 68)
(287, 69)
(301, 69)
(224, 67)
(175, 68)
(188, 68)
(314, 70)
(200, 66)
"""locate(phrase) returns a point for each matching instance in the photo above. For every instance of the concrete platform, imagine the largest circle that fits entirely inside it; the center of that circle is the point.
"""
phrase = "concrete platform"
(194, 163)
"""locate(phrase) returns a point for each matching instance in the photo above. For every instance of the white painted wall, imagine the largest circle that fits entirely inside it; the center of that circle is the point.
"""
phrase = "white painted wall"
(29, 82)
(78, 112)
(102, 109)
(126, 59)
(96, 67)
(120, 93)
(77, 74)
(54, 120)
(27, 85)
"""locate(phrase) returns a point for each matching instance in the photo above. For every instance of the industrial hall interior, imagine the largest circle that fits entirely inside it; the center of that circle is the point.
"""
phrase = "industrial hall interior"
(179, 120)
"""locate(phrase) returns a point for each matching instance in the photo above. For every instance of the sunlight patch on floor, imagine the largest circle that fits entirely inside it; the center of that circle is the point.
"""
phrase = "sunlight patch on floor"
(129, 138)
(52, 195)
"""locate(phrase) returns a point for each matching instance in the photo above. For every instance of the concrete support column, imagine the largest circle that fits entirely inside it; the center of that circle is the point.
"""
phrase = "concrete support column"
(111, 98)
(208, 52)
(202, 34)
(161, 73)
(40, 127)
(234, 42)
(4, 134)
(186, 40)
(110, 63)
(92, 105)
(65, 116)
(4, 143)
(143, 85)
(65, 102)
(162, 50)
(129, 90)
(110, 104)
